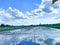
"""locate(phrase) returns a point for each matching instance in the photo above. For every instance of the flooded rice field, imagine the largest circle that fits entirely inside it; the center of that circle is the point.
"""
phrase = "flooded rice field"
(31, 36)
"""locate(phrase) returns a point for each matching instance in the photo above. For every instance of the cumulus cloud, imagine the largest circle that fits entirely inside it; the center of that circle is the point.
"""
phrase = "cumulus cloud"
(45, 13)
(16, 13)
(11, 15)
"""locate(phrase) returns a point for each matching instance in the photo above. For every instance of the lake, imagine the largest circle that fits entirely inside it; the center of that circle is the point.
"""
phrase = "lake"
(31, 36)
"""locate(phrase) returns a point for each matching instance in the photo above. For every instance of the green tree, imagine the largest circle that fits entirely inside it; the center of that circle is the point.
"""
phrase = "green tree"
(2, 25)
(53, 1)
(7, 25)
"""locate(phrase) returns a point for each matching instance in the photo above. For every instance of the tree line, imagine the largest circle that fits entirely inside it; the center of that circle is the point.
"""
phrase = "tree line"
(3, 25)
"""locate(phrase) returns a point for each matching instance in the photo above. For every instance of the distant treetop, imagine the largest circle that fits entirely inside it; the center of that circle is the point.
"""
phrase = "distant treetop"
(53, 1)
(3, 25)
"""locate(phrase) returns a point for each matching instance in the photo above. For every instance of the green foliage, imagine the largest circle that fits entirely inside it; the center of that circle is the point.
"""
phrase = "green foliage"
(53, 1)
(8, 28)
(3, 25)
(58, 27)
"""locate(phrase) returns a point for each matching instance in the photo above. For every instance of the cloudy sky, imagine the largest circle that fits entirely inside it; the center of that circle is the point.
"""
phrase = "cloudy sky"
(26, 12)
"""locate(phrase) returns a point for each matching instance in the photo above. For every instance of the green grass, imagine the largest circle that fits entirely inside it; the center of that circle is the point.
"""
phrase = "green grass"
(13, 28)
(21, 27)
(58, 27)
(8, 28)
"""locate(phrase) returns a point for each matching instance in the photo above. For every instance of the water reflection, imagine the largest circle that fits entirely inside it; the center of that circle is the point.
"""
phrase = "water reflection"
(49, 41)
(29, 42)
(34, 36)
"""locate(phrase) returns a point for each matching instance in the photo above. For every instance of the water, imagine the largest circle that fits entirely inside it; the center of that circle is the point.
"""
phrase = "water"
(31, 36)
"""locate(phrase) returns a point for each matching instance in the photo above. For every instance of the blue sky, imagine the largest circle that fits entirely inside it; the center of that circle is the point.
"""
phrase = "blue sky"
(27, 12)
(22, 5)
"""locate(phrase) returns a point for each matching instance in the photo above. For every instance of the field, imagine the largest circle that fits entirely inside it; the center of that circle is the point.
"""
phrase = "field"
(9, 28)
(58, 27)
(20, 27)
(14, 28)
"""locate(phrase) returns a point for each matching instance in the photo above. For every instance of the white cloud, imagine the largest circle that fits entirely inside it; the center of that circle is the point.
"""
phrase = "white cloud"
(5, 14)
(1, 21)
(10, 16)
(10, 9)
(37, 4)
(50, 11)
(17, 12)
(45, 13)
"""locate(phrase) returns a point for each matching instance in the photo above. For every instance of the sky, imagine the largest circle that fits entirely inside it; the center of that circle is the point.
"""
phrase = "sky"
(28, 12)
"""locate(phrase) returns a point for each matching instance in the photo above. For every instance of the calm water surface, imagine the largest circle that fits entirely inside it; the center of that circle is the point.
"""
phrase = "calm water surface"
(31, 36)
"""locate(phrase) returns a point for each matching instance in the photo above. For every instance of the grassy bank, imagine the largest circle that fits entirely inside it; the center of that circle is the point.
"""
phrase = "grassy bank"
(14, 28)
(22, 27)
(58, 27)
(8, 28)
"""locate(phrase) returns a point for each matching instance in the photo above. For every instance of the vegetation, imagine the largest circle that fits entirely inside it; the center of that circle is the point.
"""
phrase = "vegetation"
(58, 27)
(48, 25)
(52, 25)
(3, 25)
(9, 27)
(55, 26)
(53, 1)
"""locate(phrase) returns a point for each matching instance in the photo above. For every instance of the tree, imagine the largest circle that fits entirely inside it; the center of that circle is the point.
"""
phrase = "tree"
(53, 1)
(7, 25)
(2, 25)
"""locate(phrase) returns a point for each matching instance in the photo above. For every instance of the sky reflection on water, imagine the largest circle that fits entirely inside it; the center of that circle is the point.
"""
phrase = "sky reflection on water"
(34, 36)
